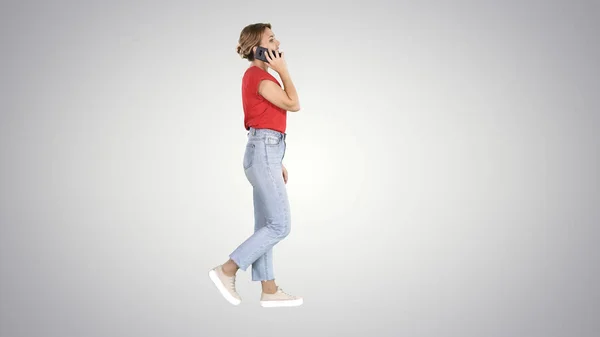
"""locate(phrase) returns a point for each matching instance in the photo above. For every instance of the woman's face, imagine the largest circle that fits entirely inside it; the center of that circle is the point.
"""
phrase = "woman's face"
(269, 41)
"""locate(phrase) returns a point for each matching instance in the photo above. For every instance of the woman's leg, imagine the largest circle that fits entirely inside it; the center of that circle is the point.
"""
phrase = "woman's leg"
(262, 268)
(264, 172)
(263, 168)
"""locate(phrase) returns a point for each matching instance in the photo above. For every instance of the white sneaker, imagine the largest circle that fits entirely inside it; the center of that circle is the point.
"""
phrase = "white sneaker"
(279, 299)
(225, 284)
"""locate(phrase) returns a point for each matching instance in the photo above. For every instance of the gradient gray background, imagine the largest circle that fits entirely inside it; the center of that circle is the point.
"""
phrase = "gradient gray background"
(443, 169)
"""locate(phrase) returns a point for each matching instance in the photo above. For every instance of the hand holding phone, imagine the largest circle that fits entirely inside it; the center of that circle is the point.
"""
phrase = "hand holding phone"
(262, 53)
(274, 59)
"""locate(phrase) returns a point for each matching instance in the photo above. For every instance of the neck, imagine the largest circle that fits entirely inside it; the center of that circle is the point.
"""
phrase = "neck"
(258, 63)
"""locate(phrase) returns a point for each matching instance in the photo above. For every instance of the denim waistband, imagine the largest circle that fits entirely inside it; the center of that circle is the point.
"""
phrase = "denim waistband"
(258, 132)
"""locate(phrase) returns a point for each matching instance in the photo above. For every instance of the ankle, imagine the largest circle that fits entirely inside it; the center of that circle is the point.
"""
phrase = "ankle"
(228, 273)
(229, 268)
(269, 288)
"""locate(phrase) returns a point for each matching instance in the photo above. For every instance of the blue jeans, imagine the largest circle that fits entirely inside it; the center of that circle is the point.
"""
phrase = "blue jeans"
(263, 167)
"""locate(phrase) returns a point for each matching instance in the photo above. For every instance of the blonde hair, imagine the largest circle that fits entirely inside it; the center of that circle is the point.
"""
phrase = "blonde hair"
(250, 37)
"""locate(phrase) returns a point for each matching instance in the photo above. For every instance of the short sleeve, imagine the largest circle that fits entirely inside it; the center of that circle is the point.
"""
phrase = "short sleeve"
(258, 76)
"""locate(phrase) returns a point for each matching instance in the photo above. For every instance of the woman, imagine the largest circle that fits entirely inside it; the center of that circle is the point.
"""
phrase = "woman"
(265, 105)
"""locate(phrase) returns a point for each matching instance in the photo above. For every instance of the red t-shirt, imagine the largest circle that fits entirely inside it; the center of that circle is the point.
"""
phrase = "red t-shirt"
(259, 113)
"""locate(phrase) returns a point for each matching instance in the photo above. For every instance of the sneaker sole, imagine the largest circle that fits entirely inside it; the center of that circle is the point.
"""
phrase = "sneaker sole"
(217, 281)
(277, 304)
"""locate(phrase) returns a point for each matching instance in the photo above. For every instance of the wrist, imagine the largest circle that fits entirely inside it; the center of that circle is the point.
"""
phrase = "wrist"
(284, 72)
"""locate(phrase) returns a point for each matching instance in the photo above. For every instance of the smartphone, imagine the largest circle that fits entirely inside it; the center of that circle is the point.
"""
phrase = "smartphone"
(261, 54)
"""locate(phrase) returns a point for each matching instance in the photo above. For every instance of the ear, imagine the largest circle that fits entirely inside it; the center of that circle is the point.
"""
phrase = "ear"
(254, 49)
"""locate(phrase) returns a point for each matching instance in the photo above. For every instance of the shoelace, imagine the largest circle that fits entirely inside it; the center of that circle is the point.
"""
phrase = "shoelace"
(283, 292)
(232, 283)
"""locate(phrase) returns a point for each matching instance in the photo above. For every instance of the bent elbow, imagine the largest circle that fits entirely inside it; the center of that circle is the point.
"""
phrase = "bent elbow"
(294, 107)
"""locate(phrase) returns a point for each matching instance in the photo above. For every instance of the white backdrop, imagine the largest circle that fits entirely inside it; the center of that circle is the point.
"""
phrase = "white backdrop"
(443, 168)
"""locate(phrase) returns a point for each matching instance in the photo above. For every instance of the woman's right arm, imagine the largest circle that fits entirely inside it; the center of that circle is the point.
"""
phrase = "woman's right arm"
(286, 98)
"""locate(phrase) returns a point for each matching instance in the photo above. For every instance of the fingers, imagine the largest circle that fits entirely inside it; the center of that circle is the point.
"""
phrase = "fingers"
(272, 57)
(274, 54)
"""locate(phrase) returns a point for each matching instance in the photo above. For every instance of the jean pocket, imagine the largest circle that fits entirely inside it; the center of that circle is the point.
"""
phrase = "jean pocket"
(274, 153)
(272, 140)
(249, 156)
